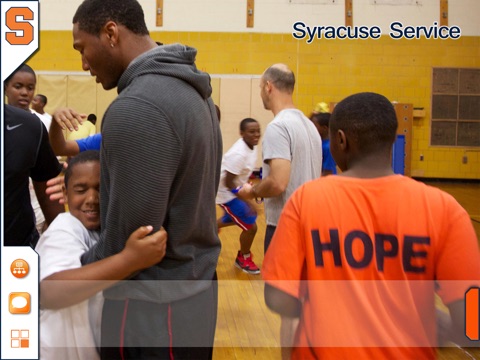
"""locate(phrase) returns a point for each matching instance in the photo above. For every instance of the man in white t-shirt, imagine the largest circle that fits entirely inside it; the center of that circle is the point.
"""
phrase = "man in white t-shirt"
(292, 155)
(292, 147)
(237, 166)
(38, 108)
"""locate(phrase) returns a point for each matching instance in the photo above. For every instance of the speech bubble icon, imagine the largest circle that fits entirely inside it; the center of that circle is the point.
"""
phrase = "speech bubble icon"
(19, 303)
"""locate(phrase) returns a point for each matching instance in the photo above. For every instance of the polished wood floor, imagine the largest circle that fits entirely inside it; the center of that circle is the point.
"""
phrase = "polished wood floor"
(247, 329)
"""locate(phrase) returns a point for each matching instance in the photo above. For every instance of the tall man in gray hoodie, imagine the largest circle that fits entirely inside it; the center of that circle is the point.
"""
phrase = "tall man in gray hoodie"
(160, 164)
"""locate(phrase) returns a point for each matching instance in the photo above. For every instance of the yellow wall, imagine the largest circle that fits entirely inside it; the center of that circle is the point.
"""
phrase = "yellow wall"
(326, 70)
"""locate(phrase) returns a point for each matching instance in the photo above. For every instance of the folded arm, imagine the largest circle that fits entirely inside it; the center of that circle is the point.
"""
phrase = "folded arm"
(69, 287)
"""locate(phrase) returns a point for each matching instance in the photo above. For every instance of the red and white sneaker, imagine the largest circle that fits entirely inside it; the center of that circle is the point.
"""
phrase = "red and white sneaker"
(245, 262)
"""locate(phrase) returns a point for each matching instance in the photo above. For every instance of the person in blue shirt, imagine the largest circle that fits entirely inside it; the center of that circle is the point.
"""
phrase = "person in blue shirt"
(321, 121)
(63, 147)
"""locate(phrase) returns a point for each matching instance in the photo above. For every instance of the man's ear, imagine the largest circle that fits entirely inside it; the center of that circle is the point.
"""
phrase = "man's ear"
(269, 86)
(111, 31)
(342, 140)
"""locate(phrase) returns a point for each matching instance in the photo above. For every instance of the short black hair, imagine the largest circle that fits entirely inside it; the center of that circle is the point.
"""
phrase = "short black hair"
(91, 15)
(284, 80)
(322, 119)
(81, 158)
(21, 68)
(92, 118)
(244, 122)
(368, 119)
(43, 97)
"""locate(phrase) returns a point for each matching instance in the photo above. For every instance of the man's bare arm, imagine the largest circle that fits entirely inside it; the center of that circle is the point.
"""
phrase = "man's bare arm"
(273, 185)
(289, 309)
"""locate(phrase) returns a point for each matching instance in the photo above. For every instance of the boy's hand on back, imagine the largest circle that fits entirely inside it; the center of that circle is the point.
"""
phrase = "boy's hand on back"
(55, 189)
(142, 250)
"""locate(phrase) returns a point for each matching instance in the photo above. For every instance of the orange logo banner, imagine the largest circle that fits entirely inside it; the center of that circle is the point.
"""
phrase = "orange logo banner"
(472, 313)
(16, 20)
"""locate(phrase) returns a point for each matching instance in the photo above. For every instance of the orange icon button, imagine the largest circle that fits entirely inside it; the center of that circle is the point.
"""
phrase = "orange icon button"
(19, 268)
(20, 338)
(19, 303)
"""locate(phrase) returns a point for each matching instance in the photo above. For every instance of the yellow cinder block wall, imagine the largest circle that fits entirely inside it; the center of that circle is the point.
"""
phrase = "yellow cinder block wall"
(326, 70)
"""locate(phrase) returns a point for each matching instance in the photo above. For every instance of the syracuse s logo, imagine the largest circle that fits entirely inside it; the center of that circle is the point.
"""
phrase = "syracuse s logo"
(17, 20)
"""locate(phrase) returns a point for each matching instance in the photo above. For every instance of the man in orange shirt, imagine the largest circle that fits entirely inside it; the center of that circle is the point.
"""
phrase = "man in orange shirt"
(358, 257)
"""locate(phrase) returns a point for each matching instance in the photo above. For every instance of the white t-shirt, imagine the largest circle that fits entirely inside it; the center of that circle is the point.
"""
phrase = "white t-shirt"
(73, 332)
(45, 117)
(239, 160)
(39, 217)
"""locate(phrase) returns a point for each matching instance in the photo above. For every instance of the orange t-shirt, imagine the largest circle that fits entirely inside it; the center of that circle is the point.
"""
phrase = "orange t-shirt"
(365, 256)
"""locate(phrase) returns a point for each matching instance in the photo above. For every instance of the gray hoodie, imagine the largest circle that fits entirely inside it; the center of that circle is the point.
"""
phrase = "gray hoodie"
(160, 165)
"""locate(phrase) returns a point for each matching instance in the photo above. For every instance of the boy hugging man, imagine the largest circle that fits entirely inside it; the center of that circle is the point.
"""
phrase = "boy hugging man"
(71, 310)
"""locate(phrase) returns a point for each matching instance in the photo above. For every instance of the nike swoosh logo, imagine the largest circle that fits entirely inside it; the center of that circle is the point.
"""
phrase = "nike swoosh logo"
(13, 127)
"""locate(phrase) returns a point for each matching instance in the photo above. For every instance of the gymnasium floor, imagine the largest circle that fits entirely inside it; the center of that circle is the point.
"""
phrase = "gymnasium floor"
(246, 329)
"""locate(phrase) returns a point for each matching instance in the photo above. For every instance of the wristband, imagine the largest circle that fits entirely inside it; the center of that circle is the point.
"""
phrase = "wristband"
(236, 190)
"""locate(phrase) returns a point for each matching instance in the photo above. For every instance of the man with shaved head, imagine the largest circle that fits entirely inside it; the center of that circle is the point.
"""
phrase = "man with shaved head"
(291, 147)
(292, 155)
